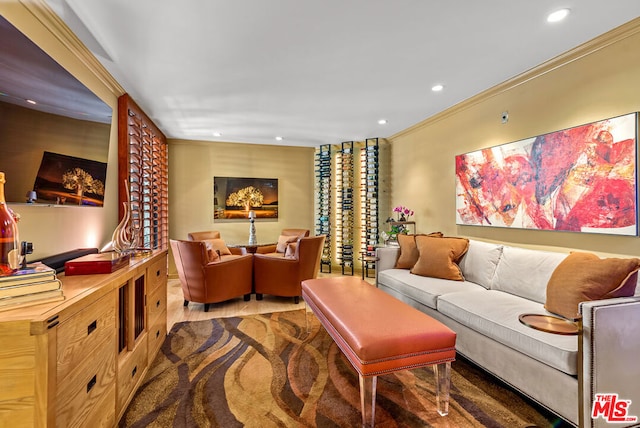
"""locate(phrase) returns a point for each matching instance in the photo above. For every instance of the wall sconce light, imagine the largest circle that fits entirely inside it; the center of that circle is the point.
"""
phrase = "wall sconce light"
(31, 196)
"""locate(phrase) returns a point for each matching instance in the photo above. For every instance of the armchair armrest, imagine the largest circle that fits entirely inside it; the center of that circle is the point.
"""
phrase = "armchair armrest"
(238, 251)
(266, 249)
(609, 349)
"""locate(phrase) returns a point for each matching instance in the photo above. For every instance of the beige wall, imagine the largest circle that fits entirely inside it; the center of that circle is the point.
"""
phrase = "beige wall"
(598, 81)
(53, 230)
(192, 166)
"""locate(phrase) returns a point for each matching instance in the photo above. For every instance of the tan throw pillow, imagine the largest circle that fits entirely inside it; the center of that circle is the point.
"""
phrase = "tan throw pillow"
(283, 240)
(584, 276)
(409, 251)
(217, 246)
(438, 257)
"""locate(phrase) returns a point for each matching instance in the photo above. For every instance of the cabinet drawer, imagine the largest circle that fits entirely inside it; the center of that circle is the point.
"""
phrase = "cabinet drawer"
(156, 274)
(78, 337)
(89, 387)
(156, 305)
(157, 334)
(130, 370)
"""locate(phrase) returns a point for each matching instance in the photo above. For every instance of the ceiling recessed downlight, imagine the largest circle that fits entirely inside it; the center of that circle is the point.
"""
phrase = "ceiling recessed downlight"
(278, 138)
(558, 15)
(217, 134)
(437, 88)
(382, 122)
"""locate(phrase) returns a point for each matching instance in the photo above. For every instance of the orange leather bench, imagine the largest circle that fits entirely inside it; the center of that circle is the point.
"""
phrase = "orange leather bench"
(380, 334)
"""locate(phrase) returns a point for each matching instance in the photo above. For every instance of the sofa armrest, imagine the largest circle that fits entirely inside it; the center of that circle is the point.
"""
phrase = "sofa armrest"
(386, 258)
(609, 349)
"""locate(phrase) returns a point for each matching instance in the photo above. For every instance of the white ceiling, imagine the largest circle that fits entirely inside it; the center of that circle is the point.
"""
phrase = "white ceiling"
(321, 72)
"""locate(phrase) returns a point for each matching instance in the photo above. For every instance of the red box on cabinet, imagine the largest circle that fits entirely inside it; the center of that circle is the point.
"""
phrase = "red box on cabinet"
(96, 263)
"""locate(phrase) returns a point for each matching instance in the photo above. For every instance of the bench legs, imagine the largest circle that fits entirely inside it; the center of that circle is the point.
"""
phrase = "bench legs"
(442, 374)
(368, 400)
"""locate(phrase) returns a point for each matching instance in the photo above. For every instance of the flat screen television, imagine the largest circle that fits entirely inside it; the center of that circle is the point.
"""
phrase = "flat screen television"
(48, 116)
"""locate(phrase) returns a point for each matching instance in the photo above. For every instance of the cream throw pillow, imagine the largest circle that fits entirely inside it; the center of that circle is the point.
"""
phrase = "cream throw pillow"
(283, 241)
(216, 246)
(584, 276)
(438, 257)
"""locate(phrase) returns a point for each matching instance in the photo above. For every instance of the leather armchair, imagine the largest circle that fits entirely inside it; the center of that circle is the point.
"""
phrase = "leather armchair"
(300, 233)
(283, 276)
(205, 281)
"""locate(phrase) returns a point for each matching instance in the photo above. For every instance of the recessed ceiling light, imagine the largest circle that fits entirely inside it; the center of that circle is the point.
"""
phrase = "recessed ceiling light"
(217, 134)
(437, 88)
(382, 122)
(278, 138)
(558, 15)
(31, 102)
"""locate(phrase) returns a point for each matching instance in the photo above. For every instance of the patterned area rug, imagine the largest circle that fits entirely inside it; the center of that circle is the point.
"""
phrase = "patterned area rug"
(265, 371)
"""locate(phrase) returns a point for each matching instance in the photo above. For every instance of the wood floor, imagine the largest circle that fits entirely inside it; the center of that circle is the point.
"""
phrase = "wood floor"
(176, 312)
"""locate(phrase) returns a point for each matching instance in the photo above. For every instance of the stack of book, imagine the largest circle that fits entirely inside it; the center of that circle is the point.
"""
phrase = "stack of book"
(35, 284)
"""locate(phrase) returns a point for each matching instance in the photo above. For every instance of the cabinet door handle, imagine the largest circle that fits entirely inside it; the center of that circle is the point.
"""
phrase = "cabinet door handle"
(157, 334)
(134, 371)
(158, 304)
(91, 327)
(91, 383)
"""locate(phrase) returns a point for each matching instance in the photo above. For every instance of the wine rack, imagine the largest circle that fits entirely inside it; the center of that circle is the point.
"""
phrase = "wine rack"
(345, 207)
(369, 202)
(347, 184)
(323, 202)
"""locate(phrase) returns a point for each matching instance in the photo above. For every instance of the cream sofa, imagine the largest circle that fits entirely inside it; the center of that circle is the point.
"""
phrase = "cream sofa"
(560, 372)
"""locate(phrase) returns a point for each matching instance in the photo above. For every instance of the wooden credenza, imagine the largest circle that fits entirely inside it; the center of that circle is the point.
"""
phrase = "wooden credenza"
(78, 362)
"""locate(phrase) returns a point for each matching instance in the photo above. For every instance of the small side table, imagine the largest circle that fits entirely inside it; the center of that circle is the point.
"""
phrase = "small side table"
(550, 324)
(251, 248)
(366, 262)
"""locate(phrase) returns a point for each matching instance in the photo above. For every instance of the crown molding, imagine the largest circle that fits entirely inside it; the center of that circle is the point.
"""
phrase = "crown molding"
(609, 38)
(52, 22)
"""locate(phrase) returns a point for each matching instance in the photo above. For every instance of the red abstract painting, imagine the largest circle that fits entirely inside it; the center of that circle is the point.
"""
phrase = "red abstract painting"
(581, 179)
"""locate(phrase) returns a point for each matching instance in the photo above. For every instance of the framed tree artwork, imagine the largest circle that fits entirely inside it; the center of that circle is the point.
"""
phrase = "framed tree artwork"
(70, 180)
(235, 197)
(581, 179)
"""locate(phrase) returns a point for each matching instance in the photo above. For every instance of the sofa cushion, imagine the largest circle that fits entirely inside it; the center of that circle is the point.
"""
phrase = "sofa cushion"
(495, 314)
(479, 263)
(584, 276)
(525, 272)
(438, 257)
(422, 289)
(409, 250)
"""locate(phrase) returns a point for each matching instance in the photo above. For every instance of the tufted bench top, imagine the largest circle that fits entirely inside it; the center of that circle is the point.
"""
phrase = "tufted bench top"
(377, 332)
